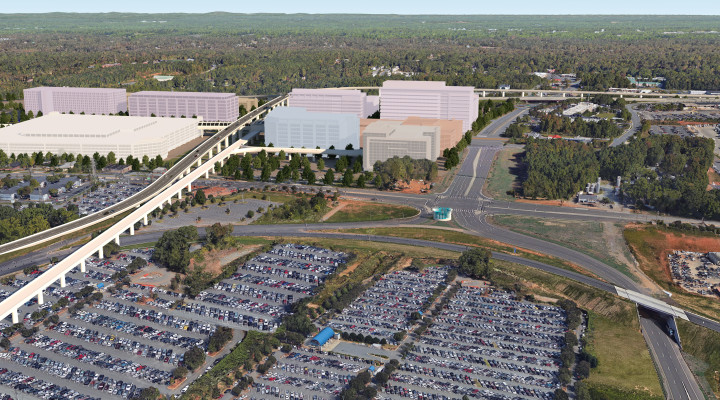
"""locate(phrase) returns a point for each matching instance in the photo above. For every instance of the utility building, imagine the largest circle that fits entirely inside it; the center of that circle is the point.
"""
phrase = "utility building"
(386, 139)
(96, 101)
(334, 101)
(210, 106)
(86, 134)
(297, 127)
(403, 99)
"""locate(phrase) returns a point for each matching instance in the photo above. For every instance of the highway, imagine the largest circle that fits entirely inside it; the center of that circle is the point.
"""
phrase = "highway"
(150, 191)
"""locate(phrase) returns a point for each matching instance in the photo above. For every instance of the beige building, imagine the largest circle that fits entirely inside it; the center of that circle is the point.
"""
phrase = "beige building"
(384, 139)
(450, 131)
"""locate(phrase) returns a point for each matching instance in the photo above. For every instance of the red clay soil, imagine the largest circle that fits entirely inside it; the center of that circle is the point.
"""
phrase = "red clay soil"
(667, 242)
(415, 187)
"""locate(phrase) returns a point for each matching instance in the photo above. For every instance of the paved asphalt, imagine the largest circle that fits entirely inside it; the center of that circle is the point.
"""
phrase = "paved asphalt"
(470, 205)
(636, 123)
(131, 202)
(681, 384)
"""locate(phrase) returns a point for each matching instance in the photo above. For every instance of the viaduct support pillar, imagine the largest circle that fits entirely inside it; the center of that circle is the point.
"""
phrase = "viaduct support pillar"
(207, 174)
(14, 315)
(145, 221)
(218, 148)
(227, 141)
(101, 255)
(62, 280)
(189, 187)
(132, 229)
(41, 300)
(117, 240)
(82, 266)
(503, 93)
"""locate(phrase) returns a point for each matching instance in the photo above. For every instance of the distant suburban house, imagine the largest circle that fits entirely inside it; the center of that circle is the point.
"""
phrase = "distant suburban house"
(117, 169)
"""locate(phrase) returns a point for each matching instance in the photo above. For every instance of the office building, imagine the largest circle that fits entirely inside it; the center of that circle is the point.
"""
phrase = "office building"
(450, 131)
(334, 101)
(402, 99)
(86, 134)
(98, 101)
(210, 106)
(386, 139)
(297, 127)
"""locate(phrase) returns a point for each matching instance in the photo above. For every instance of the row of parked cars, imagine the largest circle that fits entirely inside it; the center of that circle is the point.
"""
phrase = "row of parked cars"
(131, 328)
(120, 342)
(37, 387)
(100, 359)
(485, 344)
(386, 307)
(86, 377)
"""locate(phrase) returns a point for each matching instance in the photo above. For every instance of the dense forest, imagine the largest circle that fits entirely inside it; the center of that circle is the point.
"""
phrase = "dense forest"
(16, 224)
(662, 172)
(268, 54)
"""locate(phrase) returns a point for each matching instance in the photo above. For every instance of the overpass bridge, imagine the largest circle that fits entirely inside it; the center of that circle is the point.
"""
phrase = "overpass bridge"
(224, 137)
(200, 162)
(557, 94)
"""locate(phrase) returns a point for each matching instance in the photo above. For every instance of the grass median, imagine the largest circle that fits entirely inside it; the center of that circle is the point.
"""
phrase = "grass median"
(465, 239)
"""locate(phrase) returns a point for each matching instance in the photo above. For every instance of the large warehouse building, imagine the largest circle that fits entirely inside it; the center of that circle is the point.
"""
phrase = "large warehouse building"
(386, 139)
(297, 127)
(334, 101)
(96, 101)
(86, 134)
(402, 99)
(210, 106)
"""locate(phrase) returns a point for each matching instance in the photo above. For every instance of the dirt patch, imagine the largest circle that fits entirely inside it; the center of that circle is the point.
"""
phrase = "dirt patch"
(616, 248)
(667, 242)
(713, 178)
(213, 261)
(558, 203)
(414, 186)
(177, 383)
(341, 204)
(350, 269)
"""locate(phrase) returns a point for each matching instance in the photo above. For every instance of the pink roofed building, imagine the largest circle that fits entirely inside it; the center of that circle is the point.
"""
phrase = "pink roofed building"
(334, 101)
(429, 99)
(96, 101)
(208, 106)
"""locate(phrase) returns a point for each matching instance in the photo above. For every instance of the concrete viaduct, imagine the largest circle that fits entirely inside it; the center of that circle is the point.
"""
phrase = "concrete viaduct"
(224, 144)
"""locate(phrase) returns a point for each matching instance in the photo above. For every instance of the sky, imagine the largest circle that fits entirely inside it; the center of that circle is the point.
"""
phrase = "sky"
(692, 7)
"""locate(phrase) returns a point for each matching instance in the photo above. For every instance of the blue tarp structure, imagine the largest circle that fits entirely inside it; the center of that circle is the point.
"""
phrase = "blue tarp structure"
(322, 337)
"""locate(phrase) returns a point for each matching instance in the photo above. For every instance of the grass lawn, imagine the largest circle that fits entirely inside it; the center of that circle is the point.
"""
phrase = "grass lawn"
(361, 211)
(503, 175)
(702, 344)
(599, 240)
(651, 244)
(450, 236)
(625, 368)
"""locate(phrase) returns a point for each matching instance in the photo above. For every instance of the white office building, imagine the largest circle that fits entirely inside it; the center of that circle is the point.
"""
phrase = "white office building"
(86, 134)
(429, 99)
(334, 101)
(297, 127)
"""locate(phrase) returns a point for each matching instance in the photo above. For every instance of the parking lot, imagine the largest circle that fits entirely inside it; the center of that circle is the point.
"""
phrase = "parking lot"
(107, 196)
(308, 374)
(385, 308)
(484, 346)
(695, 272)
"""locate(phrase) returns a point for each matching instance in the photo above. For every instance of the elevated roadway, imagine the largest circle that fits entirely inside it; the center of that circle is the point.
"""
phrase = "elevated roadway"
(152, 190)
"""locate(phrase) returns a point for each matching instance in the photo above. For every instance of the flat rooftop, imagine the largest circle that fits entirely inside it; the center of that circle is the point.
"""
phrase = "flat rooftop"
(60, 129)
(154, 93)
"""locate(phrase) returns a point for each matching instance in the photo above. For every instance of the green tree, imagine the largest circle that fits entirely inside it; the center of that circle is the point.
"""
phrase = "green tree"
(321, 164)
(217, 232)
(200, 197)
(173, 248)
(194, 358)
(475, 263)
(347, 178)
(329, 177)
